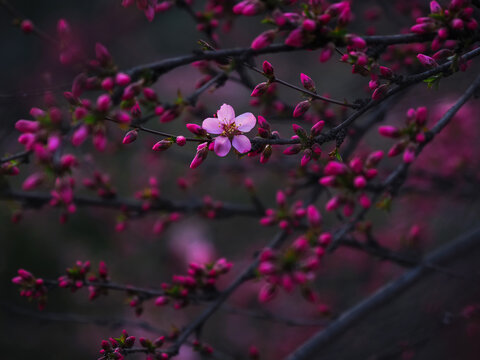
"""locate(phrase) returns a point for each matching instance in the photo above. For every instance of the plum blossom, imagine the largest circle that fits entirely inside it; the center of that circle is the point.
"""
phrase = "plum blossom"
(230, 130)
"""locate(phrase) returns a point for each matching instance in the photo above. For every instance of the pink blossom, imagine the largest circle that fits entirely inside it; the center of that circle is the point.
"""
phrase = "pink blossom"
(230, 130)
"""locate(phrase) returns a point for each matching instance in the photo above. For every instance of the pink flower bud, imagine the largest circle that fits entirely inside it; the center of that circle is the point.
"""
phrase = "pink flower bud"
(292, 150)
(380, 92)
(374, 158)
(27, 126)
(356, 165)
(102, 54)
(327, 181)
(266, 268)
(356, 41)
(435, 7)
(63, 28)
(108, 84)
(408, 155)
(386, 72)
(309, 25)
(307, 156)
(181, 140)
(335, 168)
(457, 24)
(260, 89)
(325, 54)
(389, 131)
(202, 152)
(263, 40)
(364, 201)
(307, 82)
(333, 204)
(99, 140)
(325, 239)
(130, 137)
(32, 181)
(421, 115)
(301, 108)
(150, 94)
(196, 129)
(426, 60)
(281, 198)
(103, 103)
(267, 293)
(79, 135)
(68, 160)
(317, 128)
(162, 145)
(359, 182)
(122, 79)
(313, 215)
(267, 69)
(295, 38)
(26, 26)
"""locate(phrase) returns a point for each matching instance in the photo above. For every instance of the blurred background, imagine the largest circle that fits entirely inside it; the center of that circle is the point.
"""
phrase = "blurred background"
(71, 326)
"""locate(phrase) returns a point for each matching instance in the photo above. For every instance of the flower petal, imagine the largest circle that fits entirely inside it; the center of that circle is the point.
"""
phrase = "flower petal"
(226, 114)
(245, 122)
(241, 143)
(212, 125)
(222, 145)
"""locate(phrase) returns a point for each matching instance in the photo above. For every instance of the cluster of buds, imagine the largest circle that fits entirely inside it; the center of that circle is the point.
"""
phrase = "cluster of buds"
(79, 275)
(309, 148)
(375, 85)
(352, 178)
(62, 196)
(149, 195)
(149, 7)
(200, 280)
(101, 183)
(264, 131)
(211, 207)
(32, 288)
(286, 217)
(42, 135)
(410, 136)
(9, 168)
(164, 222)
(202, 348)
(444, 22)
(114, 349)
(296, 265)
(304, 29)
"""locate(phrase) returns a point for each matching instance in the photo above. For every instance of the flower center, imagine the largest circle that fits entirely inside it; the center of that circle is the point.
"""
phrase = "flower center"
(230, 130)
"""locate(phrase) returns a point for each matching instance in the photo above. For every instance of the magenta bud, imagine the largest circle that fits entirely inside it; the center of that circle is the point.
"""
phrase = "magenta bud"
(374, 158)
(260, 89)
(295, 38)
(150, 94)
(26, 26)
(327, 181)
(102, 54)
(32, 181)
(307, 82)
(435, 7)
(380, 92)
(293, 149)
(281, 198)
(301, 108)
(408, 155)
(386, 72)
(266, 154)
(267, 293)
(335, 168)
(389, 131)
(307, 156)
(130, 137)
(356, 41)
(359, 182)
(300, 131)
(27, 126)
(309, 25)
(181, 140)
(103, 103)
(426, 60)
(267, 69)
(313, 215)
(196, 129)
(162, 145)
(364, 201)
(122, 79)
(79, 135)
(263, 40)
(317, 128)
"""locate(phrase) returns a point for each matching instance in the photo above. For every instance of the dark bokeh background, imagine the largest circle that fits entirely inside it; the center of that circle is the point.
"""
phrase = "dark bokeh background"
(72, 327)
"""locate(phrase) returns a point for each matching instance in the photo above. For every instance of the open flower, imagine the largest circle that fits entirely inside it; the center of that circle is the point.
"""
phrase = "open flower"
(230, 130)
